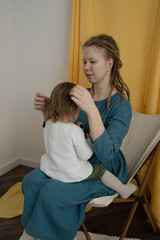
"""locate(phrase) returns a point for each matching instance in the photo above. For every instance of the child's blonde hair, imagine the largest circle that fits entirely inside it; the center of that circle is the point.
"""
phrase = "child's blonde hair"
(60, 104)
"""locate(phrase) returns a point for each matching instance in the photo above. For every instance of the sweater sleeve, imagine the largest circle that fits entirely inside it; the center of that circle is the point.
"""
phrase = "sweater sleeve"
(81, 146)
(109, 143)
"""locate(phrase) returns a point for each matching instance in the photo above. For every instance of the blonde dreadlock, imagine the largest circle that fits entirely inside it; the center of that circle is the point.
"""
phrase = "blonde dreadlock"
(111, 50)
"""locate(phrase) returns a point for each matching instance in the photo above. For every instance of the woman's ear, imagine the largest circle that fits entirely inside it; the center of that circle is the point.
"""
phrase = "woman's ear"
(110, 63)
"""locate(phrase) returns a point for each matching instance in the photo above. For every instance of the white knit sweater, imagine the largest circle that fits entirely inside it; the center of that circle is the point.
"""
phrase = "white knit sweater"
(67, 152)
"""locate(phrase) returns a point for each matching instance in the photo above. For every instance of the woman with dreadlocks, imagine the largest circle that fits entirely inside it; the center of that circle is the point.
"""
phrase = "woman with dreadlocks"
(54, 210)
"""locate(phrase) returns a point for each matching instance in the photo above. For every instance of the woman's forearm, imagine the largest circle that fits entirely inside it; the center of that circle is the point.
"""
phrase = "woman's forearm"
(44, 116)
(84, 101)
(95, 124)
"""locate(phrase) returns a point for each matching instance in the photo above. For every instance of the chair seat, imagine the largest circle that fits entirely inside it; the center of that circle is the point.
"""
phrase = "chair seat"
(141, 143)
(102, 201)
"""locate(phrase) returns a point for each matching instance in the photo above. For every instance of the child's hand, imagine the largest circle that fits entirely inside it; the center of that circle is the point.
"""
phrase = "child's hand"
(87, 135)
(40, 102)
(80, 124)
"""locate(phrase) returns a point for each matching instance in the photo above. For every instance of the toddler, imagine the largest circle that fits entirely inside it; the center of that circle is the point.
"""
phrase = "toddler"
(67, 150)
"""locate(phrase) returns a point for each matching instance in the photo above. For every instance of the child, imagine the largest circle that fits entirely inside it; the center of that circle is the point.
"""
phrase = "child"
(67, 150)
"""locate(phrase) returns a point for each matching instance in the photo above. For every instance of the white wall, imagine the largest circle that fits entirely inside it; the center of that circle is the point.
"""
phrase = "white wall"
(8, 92)
(35, 51)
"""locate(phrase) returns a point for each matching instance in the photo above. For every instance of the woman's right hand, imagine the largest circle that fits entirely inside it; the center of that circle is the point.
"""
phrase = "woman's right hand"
(40, 101)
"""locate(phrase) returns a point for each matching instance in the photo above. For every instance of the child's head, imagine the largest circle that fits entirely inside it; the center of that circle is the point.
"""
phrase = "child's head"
(60, 104)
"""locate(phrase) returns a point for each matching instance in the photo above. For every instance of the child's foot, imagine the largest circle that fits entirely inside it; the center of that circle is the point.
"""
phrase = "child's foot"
(129, 188)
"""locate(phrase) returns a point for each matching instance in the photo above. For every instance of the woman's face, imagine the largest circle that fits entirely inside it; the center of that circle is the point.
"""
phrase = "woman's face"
(95, 66)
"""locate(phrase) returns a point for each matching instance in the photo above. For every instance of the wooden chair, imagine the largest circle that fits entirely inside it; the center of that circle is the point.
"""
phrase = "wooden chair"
(141, 143)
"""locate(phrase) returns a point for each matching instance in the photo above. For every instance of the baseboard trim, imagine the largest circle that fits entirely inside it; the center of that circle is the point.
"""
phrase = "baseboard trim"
(9, 166)
(29, 163)
(16, 162)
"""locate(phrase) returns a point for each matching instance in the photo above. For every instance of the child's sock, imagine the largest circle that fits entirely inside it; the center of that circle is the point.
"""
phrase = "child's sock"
(111, 181)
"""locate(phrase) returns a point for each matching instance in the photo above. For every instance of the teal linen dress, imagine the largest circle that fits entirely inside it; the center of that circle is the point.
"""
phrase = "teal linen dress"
(54, 210)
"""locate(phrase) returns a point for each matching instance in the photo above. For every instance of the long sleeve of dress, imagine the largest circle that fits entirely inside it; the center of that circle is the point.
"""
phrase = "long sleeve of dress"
(109, 143)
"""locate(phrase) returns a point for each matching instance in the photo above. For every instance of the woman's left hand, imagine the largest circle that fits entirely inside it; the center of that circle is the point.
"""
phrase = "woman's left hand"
(82, 97)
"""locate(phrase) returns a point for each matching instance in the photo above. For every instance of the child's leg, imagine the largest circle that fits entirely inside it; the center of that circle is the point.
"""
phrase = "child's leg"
(111, 181)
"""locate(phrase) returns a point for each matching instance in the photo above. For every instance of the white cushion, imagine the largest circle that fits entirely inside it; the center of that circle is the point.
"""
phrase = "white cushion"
(102, 201)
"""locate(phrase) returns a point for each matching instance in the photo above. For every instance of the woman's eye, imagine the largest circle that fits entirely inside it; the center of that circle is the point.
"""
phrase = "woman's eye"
(93, 62)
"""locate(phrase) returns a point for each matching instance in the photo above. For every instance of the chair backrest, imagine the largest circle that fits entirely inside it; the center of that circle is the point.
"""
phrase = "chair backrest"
(142, 137)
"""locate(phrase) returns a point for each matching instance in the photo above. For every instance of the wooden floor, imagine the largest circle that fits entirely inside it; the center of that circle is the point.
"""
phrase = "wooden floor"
(108, 220)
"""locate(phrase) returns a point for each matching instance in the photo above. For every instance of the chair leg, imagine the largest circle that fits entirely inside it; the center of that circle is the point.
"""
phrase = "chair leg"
(130, 217)
(85, 231)
(145, 203)
(150, 216)
(148, 212)
(140, 196)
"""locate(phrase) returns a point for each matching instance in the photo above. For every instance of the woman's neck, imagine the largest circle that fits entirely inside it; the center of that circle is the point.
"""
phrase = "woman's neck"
(102, 92)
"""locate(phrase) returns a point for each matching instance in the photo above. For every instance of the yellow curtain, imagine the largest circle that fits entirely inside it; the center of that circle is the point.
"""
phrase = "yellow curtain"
(135, 25)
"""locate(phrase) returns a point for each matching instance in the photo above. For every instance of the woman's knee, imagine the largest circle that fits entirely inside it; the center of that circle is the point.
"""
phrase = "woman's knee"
(52, 192)
(33, 178)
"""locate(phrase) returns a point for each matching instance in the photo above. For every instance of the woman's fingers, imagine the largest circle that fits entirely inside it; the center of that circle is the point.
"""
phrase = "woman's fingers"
(40, 97)
(38, 94)
(78, 88)
(79, 92)
(82, 97)
(76, 100)
(40, 101)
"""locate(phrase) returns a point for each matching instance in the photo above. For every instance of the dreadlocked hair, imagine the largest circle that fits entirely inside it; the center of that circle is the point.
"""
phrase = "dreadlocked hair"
(110, 50)
(60, 103)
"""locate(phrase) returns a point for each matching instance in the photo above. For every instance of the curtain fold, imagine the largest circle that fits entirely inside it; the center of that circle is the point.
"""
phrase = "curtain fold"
(152, 93)
(74, 59)
(135, 25)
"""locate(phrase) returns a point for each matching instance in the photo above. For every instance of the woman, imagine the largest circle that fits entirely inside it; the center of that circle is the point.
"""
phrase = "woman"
(54, 210)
